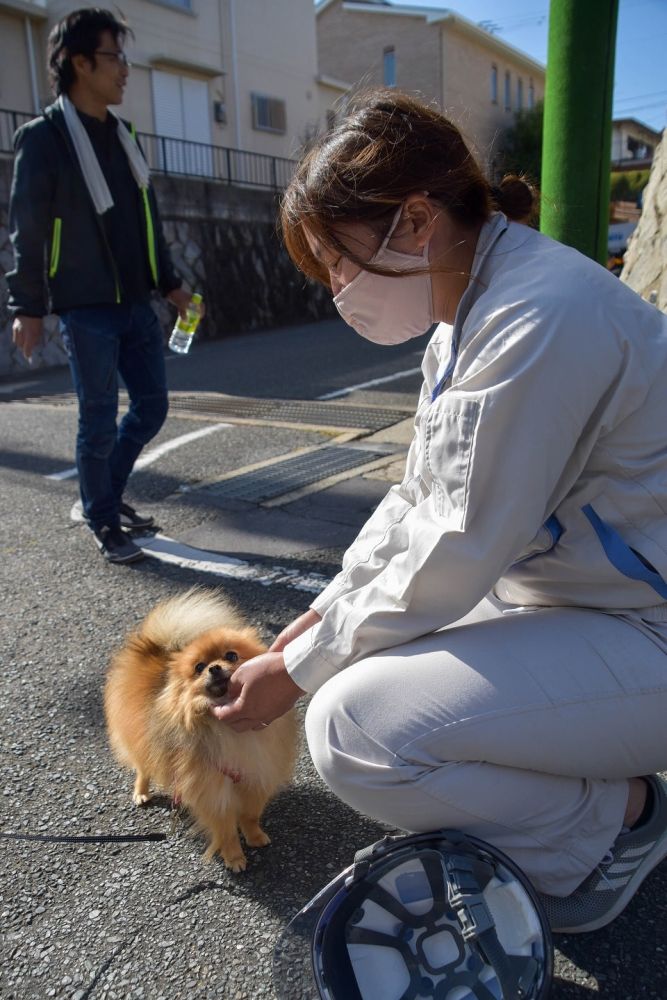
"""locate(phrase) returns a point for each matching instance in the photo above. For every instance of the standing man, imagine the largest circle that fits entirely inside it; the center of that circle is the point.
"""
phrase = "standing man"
(88, 245)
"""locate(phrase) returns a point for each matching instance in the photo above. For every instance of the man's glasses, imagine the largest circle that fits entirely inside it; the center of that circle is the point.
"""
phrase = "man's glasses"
(118, 56)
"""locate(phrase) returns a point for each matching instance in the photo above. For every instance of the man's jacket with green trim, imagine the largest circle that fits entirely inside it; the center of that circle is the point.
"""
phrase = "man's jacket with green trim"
(62, 258)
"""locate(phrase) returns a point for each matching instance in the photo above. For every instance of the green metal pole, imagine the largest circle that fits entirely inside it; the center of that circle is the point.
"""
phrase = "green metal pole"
(576, 149)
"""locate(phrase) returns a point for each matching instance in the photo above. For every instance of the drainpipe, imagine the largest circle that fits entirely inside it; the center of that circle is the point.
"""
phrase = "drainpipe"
(235, 79)
(576, 151)
(31, 65)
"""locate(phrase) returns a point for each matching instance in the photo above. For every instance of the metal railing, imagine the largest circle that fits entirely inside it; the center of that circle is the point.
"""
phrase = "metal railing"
(183, 158)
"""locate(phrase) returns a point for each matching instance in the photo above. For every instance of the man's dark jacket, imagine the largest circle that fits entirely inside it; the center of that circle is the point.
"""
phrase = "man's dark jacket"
(62, 256)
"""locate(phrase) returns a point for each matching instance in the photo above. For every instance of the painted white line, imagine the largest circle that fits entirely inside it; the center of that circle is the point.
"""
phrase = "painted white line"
(152, 456)
(163, 449)
(170, 551)
(65, 474)
(373, 381)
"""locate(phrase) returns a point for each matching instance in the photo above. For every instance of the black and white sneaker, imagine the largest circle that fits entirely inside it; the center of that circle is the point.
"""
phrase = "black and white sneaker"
(116, 546)
(609, 889)
(132, 520)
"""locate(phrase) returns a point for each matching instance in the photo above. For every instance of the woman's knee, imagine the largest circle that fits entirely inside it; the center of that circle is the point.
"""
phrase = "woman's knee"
(343, 748)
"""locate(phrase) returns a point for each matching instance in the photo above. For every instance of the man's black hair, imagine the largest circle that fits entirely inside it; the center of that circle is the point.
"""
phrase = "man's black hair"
(78, 34)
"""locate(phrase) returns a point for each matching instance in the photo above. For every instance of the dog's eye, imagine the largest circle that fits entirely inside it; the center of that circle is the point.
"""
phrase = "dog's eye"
(231, 656)
(200, 667)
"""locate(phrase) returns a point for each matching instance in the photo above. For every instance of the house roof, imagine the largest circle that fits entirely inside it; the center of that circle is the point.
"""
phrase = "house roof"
(639, 125)
(438, 15)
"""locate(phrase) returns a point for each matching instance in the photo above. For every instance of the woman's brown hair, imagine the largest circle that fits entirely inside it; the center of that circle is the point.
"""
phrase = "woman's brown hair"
(387, 146)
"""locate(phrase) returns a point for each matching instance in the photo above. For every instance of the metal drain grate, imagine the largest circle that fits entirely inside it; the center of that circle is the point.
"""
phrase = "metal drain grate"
(291, 411)
(292, 474)
(286, 411)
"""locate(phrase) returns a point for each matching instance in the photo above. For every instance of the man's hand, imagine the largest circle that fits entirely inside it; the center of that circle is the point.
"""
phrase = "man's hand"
(294, 629)
(260, 691)
(27, 333)
(181, 298)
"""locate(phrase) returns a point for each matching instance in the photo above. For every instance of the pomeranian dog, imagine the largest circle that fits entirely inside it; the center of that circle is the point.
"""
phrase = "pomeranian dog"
(158, 697)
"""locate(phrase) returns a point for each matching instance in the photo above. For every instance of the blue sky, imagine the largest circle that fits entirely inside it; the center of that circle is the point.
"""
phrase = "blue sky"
(640, 81)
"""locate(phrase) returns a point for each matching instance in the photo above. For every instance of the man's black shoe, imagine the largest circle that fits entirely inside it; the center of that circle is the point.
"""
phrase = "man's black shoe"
(132, 520)
(116, 546)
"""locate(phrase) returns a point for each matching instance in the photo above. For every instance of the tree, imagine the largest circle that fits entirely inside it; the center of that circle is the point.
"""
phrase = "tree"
(521, 145)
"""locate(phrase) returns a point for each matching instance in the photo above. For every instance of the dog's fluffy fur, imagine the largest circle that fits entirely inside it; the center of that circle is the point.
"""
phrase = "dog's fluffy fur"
(158, 697)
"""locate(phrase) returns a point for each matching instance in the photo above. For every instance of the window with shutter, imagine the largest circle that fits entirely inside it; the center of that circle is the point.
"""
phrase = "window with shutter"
(181, 106)
(268, 113)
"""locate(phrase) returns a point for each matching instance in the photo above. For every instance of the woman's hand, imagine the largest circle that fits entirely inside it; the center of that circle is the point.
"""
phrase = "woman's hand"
(294, 629)
(260, 691)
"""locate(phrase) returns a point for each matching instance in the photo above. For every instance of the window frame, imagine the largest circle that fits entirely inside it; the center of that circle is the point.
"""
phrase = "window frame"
(272, 104)
(494, 83)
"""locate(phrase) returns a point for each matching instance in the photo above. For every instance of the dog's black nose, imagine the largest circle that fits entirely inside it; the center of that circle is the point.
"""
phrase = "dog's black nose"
(217, 672)
(218, 680)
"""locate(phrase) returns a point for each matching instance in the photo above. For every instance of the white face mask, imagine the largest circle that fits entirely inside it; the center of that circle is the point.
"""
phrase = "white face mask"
(389, 310)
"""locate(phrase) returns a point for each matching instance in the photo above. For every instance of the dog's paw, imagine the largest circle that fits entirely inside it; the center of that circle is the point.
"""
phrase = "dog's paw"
(236, 864)
(257, 838)
(141, 798)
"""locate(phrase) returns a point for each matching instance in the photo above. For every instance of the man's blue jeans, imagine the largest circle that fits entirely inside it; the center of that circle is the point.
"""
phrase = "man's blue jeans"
(103, 342)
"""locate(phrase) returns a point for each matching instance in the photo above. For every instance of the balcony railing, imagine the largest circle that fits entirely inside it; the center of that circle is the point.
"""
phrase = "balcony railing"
(183, 158)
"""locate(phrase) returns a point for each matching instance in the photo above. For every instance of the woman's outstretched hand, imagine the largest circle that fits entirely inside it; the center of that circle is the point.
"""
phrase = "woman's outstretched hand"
(260, 691)
(294, 629)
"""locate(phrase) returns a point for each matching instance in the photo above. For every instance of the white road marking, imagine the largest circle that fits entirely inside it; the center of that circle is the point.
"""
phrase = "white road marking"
(170, 551)
(154, 453)
(373, 381)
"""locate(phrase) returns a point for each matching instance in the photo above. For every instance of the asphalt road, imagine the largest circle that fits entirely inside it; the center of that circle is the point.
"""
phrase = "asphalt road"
(150, 920)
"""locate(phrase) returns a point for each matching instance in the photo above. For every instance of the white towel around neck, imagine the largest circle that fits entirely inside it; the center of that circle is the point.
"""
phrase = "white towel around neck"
(92, 172)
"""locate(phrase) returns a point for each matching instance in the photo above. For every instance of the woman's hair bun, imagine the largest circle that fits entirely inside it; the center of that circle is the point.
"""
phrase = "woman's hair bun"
(517, 197)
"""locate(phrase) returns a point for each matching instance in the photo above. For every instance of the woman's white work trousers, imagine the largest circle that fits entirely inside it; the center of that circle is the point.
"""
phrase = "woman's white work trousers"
(518, 726)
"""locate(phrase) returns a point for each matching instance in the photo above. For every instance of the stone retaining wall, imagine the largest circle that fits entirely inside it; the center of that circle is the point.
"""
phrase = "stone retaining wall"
(224, 243)
(645, 266)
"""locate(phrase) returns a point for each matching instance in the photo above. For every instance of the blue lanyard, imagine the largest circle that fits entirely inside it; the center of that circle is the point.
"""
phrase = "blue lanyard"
(440, 384)
(622, 557)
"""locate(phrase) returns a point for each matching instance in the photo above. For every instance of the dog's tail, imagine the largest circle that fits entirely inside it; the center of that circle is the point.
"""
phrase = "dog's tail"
(174, 623)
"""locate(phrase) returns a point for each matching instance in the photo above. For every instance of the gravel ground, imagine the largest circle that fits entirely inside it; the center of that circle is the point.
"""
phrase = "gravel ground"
(152, 920)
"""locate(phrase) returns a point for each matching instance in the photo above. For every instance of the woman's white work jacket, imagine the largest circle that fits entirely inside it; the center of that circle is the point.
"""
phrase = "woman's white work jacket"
(540, 447)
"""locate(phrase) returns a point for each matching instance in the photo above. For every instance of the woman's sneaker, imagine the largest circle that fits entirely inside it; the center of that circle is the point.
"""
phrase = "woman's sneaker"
(116, 546)
(609, 889)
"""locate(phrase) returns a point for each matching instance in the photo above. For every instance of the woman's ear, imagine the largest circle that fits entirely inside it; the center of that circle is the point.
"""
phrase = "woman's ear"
(420, 213)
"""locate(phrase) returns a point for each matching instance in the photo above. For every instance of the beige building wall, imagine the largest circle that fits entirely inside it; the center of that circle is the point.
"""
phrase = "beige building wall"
(20, 30)
(277, 58)
(467, 97)
(351, 46)
(227, 50)
(332, 97)
(444, 59)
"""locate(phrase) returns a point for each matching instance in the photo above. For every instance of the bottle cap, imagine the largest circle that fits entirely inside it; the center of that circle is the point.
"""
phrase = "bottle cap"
(196, 297)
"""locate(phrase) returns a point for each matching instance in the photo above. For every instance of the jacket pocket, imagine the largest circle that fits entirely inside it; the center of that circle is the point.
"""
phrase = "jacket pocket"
(544, 541)
(449, 444)
(54, 260)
